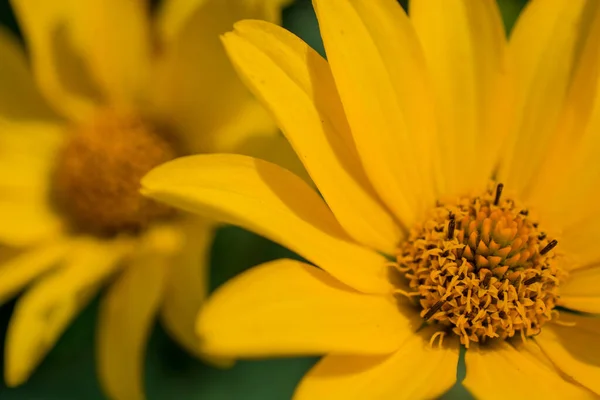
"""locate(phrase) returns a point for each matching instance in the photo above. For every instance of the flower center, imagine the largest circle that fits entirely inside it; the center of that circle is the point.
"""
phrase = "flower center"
(481, 267)
(97, 175)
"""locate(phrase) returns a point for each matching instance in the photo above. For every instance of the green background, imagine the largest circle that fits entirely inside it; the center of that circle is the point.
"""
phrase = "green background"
(68, 371)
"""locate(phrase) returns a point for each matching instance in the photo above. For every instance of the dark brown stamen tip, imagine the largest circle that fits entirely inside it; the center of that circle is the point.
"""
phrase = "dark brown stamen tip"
(533, 279)
(498, 193)
(435, 308)
(549, 247)
(451, 226)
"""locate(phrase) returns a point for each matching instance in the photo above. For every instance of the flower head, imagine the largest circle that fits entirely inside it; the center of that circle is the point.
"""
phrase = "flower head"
(115, 91)
(402, 130)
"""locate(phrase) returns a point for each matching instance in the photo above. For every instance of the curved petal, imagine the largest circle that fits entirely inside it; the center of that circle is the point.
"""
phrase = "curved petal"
(19, 270)
(464, 43)
(546, 47)
(415, 371)
(296, 84)
(70, 55)
(286, 307)
(187, 283)
(273, 202)
(195, 88)
(379, 72)
(126, 317)
(501, 371)
(174, 15)
(19, 96)
(565, 189)
(56, 45)
(581, 291)
(27, 154)
(574, 349)
(43, 313)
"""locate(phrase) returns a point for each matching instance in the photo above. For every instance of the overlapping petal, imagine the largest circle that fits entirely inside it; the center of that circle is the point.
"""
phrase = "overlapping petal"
(581, 291)
(501, 371)
(551, 67)
(287, 307)
(379, 72)
(45, 310)
(76, 67)
(273, 202)
(573, 349)
(296, 84)
(464, 44)
(415, 371)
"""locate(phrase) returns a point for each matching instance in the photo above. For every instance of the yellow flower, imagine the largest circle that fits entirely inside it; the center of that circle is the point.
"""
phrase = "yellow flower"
(114, 92)
(401, 130)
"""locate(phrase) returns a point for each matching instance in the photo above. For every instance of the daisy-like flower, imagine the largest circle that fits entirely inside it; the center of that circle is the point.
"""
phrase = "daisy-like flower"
(458, 175)
(114, 91)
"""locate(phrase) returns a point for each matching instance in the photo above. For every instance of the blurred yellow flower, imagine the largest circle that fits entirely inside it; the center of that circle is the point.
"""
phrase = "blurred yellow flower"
(401, 130)
(114, 92)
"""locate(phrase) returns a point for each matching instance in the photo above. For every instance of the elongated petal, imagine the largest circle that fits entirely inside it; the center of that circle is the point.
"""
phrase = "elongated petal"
(464, 44)
(18, 271)
(174, 15)
(296, 84)
(501, 371)
(126, 317)
(574, 349)
(74, 64)
(195, 88)
(379, 73)
(286, 307)
(273, 202)
(187, 283)
(547, 47)
(19, 96)
(581, 291)
(61, 73)
(43, 313)
(415, 371)
(568, 169)
(27, 154)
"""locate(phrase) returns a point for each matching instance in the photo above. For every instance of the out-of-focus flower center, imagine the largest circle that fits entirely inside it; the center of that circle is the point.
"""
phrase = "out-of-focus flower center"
(97, 175)
(481, 267)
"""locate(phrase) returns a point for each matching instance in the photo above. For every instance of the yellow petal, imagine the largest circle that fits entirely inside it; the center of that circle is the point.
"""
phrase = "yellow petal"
(57, 46)
(296, 84)
(70, 55)
(174, 15)
(19, 96)
(195, 88)
(18, 271)
(574, 349)
(270, 201)
(567, 175)
(44, 312)
(545, 46)
(577, 238)
(464, 44)
(286, 307)
(27, 154)
(581, 291)
(187, 283)
(126, 317)
(415, 371)
(500, 371)
(378, 68)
